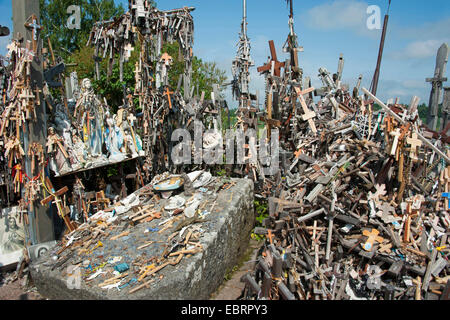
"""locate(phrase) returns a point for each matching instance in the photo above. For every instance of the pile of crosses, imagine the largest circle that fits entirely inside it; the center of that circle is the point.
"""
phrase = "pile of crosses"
(20, 97)
(162, 110)
(82, 133)
(359, 208)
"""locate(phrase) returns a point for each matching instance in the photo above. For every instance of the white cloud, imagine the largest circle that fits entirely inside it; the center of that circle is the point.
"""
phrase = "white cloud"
(419, 49)
(340, 15)
(429, 30)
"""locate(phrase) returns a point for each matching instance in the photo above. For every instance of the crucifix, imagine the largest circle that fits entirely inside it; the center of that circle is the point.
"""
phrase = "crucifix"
(308, 114)
(274, 66)
(414, 142)
(36, 28)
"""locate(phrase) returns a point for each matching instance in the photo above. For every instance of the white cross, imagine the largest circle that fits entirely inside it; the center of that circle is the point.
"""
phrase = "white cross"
(396, 134)
(128, 49)
(131, 118)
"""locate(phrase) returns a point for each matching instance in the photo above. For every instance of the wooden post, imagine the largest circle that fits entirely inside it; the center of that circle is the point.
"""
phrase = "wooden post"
(41, 222)
(376, 75)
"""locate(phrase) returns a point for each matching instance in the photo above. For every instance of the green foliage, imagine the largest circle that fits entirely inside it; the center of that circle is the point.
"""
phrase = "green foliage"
(204, 74)
(54, 18)
(221, 173)
(71, 46)
(423, 112)
(261, 214)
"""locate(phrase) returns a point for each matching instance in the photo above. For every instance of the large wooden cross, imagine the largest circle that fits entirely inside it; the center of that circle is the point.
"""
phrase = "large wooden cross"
(308, 114)
(55, 197)
(273, 63)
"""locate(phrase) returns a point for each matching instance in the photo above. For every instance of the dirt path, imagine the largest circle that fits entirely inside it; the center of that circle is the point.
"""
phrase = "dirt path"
(232, 288)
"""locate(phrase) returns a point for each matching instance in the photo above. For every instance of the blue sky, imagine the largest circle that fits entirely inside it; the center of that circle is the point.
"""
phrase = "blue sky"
(325, 28)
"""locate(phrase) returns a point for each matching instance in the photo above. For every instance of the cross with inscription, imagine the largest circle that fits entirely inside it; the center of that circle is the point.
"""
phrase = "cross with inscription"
(273, 64)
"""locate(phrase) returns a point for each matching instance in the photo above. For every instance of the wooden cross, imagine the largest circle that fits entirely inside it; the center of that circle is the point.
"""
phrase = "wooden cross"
(168, 93)
(308, 114)
(372, 237)
(273, 64)
(14, 150)
(270, 236)
(55, 197)
(54, 139)
(385, 248)
(101, 202)
(414, 142)
(36, 28)
(396, 134)
(26, 95)
(166, 59)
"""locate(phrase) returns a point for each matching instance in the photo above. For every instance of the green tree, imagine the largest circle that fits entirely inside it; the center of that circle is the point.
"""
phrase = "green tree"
(54, 18)
(204, 74)
(71, 46)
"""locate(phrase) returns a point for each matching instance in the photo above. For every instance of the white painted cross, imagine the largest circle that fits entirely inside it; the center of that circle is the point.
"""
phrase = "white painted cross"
(396, 134)
(128, 49)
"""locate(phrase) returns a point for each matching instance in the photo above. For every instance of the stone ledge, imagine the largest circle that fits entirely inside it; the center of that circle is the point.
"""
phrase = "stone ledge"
(225, 239)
